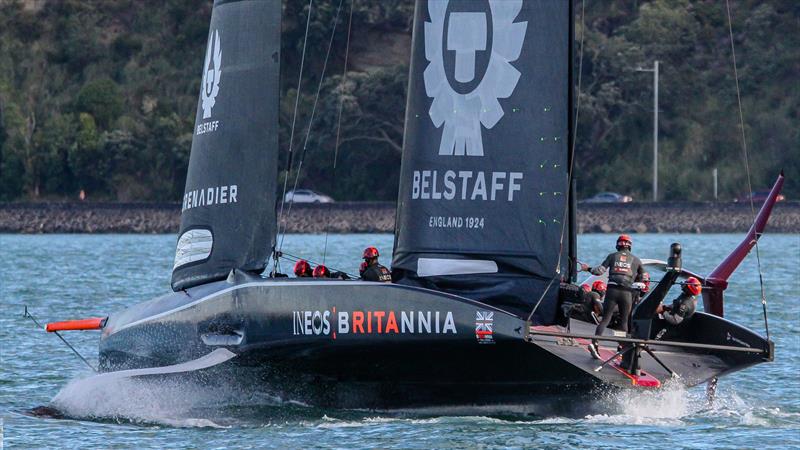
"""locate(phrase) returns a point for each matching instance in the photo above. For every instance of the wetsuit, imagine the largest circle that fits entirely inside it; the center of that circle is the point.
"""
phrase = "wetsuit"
(683, 307)
(623, 270)
(594, 301)
(375, 272)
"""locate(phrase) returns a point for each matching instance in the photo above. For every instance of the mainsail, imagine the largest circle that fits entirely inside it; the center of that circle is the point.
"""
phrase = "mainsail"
(228, 210)
(484, 178)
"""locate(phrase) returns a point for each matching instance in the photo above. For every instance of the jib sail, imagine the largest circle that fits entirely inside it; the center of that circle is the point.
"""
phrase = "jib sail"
(484, 175)
(228, 211)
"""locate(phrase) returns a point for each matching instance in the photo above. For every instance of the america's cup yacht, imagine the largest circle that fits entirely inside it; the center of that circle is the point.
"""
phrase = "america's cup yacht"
(485, 239)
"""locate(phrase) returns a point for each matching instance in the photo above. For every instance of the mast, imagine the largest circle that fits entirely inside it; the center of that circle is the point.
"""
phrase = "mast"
(572, 215)
(484, 185)
(228, 210)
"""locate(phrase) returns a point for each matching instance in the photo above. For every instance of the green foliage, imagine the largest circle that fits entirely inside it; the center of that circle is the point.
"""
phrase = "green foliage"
(101, 96)
(102, 100)
(698, 114)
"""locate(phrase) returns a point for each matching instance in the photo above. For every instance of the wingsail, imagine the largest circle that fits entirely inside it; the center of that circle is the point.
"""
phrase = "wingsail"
(228, 209)
(484, 176)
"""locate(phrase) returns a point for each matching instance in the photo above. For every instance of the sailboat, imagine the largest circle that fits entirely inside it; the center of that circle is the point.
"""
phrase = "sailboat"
(485, 241)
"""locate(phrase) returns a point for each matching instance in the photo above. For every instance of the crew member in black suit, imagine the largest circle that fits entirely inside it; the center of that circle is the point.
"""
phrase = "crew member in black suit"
(624, 268)
(371, 269)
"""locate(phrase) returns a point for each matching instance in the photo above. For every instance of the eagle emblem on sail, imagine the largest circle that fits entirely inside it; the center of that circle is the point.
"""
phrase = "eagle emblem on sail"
(211, 74)
(463, 113)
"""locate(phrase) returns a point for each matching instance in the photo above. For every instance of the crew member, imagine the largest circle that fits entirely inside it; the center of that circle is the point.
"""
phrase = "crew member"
(597, 294)
(321, 272)
(302, 269)
(371, 269)
(684, 306)
(623, 270)
(643, 290)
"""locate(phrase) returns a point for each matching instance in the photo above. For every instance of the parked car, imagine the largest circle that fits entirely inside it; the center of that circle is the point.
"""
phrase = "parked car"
(608, 197)
(306, 196)
(758, 197)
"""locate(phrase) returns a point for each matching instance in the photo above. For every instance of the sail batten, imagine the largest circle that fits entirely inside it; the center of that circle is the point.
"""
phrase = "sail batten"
(228, 208)
(484, 173)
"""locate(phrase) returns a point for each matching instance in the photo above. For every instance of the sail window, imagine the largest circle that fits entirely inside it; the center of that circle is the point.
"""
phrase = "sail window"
(193, 245)
(431, 267)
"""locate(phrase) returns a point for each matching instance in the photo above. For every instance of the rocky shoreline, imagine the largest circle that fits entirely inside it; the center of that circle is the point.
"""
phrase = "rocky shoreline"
(379, 217)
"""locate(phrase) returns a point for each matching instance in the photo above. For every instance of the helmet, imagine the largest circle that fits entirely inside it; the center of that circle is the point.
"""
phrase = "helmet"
(599, 286)
(301, 268)
(692, 286)
(321, 271)
(646, 281)
(586, 287)
(624, 241)
(371, 252)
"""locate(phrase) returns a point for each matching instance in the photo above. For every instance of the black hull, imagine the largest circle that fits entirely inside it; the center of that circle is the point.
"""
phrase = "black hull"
(333, 343)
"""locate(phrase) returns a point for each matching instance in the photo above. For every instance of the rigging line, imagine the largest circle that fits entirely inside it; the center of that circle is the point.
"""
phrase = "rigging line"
(294, 121)
(311, 119)
(747, 165)
(28, 315)
(535, 307)
(574, 138)
(339, 119)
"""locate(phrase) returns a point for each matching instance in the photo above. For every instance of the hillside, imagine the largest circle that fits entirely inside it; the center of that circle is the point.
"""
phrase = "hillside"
(100, 95)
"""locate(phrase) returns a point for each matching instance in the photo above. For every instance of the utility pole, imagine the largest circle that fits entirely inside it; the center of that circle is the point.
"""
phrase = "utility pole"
(655, 126)
(715, 183)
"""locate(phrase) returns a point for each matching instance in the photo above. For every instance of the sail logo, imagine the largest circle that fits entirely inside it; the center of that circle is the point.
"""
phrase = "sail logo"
(212, 70)
(484, 327)
(464, 111)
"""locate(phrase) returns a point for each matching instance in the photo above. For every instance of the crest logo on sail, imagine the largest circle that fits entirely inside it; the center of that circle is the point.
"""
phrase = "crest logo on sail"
(211, 74)
(467, 33)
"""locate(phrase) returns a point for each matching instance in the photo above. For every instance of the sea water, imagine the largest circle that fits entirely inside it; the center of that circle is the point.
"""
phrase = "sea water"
(76, 276)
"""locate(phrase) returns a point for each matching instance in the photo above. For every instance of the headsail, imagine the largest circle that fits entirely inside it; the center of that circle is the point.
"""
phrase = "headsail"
(228, 211)
(484, 173)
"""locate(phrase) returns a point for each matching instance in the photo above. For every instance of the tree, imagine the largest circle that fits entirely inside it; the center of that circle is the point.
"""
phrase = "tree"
(102, 100)
(87, 160)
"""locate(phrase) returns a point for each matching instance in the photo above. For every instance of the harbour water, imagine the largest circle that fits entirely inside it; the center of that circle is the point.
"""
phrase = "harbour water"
(76, 276)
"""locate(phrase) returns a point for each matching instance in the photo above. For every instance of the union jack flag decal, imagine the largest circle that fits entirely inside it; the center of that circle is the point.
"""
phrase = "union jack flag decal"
(484, 324)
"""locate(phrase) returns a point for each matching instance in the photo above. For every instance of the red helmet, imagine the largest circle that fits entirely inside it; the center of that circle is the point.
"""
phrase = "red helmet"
(624, 241)
(599, 286)
(321, 272)
(646, 281)
(371, 252)
(693, 286)
(301, 268)
(586, 287)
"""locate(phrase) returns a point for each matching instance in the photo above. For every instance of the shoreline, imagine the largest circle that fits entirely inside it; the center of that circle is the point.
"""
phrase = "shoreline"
(379, 217)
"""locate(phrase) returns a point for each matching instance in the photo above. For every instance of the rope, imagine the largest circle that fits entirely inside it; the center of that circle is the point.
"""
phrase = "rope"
(311, 119)
(747, 166)
(574, 139)
(536, 306)
(339, 121)
(294, 121)
(28, 315)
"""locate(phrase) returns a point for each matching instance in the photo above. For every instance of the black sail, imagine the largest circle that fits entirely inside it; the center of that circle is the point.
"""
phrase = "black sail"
(228, 212)
(484, 177)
